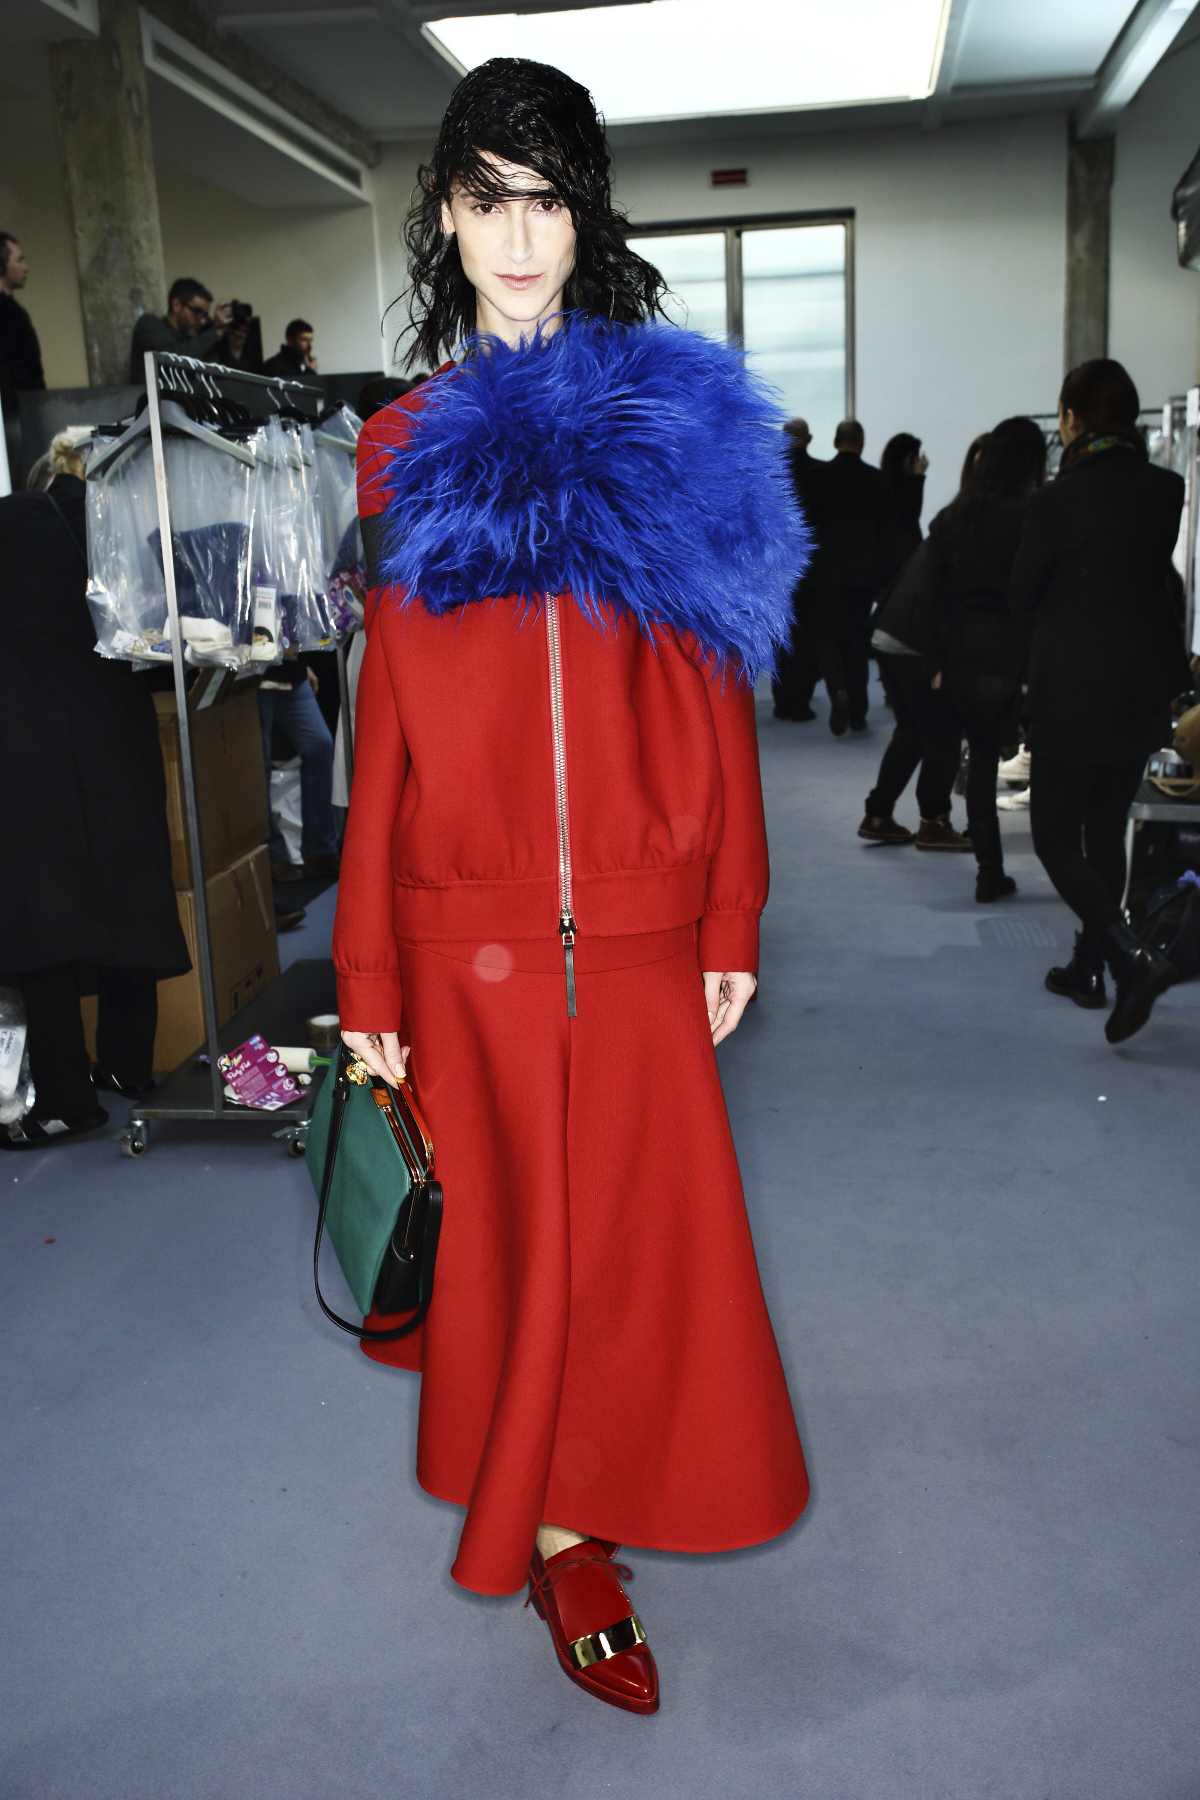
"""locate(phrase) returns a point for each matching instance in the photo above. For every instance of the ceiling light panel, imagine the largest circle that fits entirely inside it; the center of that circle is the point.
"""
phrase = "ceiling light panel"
(665, 59)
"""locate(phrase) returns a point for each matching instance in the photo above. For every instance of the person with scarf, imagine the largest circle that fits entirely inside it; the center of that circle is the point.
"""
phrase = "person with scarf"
(1103, 653)
(583, 544)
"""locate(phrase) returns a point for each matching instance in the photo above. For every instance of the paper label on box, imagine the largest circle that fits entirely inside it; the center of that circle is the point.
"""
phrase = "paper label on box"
(211, 689)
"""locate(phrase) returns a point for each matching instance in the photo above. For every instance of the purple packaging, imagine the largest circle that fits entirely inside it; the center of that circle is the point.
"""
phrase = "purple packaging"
(257, 1077)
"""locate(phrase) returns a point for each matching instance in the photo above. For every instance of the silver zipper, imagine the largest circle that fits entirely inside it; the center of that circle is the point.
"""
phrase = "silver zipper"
(567, 929)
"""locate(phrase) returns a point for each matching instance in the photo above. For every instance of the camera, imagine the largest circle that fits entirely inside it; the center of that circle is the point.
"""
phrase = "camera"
(240, 314)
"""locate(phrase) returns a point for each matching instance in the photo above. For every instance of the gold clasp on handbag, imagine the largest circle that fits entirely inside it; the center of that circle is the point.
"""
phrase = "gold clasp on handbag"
(358, 1072)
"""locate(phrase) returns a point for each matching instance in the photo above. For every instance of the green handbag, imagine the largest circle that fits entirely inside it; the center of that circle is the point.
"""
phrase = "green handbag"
(371, 1162)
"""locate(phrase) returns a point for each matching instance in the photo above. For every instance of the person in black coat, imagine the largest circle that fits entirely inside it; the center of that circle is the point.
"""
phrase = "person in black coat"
(797, 671)
(86, 898)
(1102, 643)
(967, 633)
(856, 558)
(927, 733)
(905, 469)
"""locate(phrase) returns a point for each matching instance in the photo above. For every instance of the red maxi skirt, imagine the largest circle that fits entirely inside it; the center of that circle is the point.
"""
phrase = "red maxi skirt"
(598, 1353)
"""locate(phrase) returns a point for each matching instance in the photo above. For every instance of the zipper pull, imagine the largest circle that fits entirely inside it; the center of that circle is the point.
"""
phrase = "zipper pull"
(566, 930)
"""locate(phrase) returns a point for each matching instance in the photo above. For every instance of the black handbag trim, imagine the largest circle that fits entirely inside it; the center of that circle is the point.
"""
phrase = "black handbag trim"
(427, 1193)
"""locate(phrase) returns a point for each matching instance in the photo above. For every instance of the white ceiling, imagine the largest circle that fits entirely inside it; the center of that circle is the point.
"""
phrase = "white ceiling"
(1036, 40)
(369, 60)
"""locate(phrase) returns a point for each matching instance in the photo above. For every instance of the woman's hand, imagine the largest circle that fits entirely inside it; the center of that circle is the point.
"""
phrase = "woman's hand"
(381, 1051)
(936, 683)
(726, 993)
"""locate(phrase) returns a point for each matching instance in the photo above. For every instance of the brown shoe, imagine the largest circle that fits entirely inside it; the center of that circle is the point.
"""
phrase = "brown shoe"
(885, 831)
(939, 834)
(286, 871)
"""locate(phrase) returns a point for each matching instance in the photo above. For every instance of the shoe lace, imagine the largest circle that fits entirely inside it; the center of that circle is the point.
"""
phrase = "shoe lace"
(545, 1581)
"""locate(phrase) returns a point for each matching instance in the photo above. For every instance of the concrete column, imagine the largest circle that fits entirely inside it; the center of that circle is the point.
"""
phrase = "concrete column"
(100, 104)
(1089, 191)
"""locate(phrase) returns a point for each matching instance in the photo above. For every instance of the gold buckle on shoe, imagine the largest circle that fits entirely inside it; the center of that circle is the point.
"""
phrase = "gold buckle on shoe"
(600, 1645)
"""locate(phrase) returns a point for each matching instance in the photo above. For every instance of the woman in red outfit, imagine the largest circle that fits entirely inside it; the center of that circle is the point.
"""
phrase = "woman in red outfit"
(584, 544)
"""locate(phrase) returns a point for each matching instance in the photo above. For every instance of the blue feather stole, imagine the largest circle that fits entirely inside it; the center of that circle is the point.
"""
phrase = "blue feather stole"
(635, 467)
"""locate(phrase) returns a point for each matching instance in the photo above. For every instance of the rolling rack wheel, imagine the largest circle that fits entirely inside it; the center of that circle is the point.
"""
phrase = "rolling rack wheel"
(135, 1139)
(295, 1138)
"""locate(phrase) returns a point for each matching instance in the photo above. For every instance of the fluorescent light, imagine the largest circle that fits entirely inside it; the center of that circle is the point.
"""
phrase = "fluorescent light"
(665, 59)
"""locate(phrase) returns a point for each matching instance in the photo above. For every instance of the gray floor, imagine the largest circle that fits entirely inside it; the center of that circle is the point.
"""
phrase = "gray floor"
(977, 1230)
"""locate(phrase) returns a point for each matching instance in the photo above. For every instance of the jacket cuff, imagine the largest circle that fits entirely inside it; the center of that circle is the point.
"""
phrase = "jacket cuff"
(729, 940)
(369, 1002)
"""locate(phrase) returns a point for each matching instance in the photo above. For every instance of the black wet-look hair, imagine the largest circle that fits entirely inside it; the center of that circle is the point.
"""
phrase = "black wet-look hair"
(538, 118)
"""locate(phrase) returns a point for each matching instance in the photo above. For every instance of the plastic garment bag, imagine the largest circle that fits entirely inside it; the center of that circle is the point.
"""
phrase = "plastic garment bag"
(16, 1085)
(126, 593)
(212, 506)
(288, 579)
(212, 514)
(335, 445)
(307, 622)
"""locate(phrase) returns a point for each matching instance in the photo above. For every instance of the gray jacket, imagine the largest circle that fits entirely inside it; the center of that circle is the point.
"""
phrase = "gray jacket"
(154, 333)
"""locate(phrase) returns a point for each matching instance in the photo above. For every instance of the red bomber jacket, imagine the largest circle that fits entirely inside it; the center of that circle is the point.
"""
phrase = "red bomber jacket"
(497, 744)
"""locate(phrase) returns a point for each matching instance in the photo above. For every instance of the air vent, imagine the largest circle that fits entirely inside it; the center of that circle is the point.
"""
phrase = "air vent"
(171, 56)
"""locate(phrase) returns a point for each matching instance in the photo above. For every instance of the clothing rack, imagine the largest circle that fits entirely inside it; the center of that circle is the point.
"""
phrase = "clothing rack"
(280, 1011)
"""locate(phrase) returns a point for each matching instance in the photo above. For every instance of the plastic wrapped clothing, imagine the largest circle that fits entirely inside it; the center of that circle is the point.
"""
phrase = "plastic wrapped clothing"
(286, 555)
(212, 502)
(335, 444)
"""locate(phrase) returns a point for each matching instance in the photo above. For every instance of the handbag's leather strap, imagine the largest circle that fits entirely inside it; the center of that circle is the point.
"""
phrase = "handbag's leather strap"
(429, 1241)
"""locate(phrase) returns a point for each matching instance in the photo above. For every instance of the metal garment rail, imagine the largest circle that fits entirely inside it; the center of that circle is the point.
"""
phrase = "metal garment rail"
(167, 375)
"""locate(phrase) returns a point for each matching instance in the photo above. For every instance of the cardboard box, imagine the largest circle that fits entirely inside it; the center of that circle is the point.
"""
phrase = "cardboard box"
(231, 783)
(241, 923)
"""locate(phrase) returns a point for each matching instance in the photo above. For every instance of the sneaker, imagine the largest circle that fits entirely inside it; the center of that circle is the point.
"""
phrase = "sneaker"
(939, 834)
(1016, 770)
(885, 831)
(1014, 802)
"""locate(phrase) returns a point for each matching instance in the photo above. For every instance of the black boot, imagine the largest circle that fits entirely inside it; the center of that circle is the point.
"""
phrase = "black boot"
(1083, 978)
(1141, 975)
(991, 883)
(839, 713)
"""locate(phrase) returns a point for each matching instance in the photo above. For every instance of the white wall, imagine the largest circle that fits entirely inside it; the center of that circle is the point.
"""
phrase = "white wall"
(959, 261)
(1154, 305)
(33, 205)
(316, 263)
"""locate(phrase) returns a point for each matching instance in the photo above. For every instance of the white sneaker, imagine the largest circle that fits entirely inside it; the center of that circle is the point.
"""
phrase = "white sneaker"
(1015, 769)
(1013, 802)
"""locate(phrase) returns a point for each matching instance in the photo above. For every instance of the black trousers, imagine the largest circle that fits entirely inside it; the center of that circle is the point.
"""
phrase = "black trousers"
(126, 1019)
(926, 734)
(1078, 813)
(797, 670)
(843, 644)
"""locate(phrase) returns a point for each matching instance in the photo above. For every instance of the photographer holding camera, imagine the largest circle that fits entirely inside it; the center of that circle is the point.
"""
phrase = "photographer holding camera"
(187, 328)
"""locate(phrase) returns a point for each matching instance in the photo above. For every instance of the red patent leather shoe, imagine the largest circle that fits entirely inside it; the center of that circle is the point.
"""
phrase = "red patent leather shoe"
(598, 1638)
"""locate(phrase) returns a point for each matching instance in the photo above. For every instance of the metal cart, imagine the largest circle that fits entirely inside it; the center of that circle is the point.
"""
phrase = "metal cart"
(195, 1091)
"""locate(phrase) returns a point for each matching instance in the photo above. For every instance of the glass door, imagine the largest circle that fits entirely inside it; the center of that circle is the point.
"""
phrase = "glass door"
(794, 320)
(693, 266)
(784, 290)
